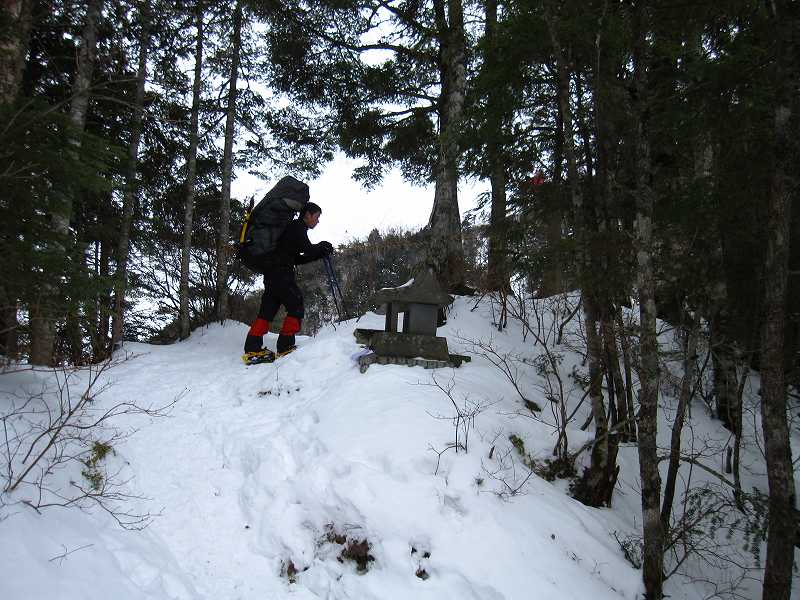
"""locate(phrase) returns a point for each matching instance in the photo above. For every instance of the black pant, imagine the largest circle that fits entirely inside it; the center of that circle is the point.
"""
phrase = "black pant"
(280, 288)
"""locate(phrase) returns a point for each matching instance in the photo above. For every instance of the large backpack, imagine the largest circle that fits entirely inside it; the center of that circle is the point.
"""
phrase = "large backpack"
(264, 224)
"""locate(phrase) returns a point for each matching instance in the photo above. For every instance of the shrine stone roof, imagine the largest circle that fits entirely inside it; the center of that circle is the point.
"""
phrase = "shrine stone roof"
(423, 289)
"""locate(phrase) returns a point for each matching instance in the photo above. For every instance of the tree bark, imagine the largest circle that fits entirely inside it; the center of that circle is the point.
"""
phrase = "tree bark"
(227, 171)
(601, 476)
(626, 365)
(42, 328)
(101, 346)
(129, 193)
(497, 269)
(14, 48)
(75, 318)
(598, 481)
(726, 379)
(689, 368)
(553, 280)
(780, 534)
(604, 69)
(445, 250)
(607, 281)
(191, 168)
(653, 557)
(9, 325)
(85, 70)
(92, 317)
(616, 382)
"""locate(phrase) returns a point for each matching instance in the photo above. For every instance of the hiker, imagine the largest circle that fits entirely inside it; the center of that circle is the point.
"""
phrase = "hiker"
(280, 288)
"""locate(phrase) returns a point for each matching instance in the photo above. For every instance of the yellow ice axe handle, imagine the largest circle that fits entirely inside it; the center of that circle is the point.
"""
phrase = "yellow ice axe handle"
(246, 221)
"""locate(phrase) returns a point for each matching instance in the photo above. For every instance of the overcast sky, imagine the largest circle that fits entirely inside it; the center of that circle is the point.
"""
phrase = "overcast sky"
(349, 211)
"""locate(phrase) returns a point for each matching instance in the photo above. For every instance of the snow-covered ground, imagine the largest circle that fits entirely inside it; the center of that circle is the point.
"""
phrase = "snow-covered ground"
(259, 473)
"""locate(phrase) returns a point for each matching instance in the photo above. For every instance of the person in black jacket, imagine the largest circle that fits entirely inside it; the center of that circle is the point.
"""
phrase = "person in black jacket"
(280, 286)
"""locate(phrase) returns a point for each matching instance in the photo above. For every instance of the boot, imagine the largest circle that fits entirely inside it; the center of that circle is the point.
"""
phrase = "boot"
(285, 344)
(255, 336)
(253, 343)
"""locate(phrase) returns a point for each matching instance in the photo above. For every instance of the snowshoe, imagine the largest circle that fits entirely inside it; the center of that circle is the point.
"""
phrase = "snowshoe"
(285, 352)
(256, 358)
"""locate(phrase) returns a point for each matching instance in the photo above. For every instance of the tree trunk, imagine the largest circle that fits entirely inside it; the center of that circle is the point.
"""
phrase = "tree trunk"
(653, 557)
(737, 444)
(497, 269)
(93, 306)
(13, 48)
(445, 250)
(781, 530)
(606, 137)
(101, 345)
(599, 479)
(85, 70)
(586, 137)
(689, 367)
(601, 476)
(191, 168)
(129, 193)
(626, 365)
(74, 319)
(726, 379)
(45, 311)
(42, 328)
(227, 172)
(65, 205)
(553, 280)
(9, 325)
(616, 381)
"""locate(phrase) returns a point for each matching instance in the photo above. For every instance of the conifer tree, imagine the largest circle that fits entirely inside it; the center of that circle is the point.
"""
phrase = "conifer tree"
(323, 65)
(191, 167)
(14, 40)
(15, 30)
(497, 270)
(227, 167)
(785, 78)
(652, 561)
(131, 168)
(47, 308)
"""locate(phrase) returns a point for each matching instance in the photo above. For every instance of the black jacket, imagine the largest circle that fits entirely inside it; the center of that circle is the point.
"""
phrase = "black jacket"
(294, 247)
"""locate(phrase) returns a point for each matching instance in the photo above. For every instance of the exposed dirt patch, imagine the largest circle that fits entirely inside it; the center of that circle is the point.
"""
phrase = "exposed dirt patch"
(355, 548)
(358, 552)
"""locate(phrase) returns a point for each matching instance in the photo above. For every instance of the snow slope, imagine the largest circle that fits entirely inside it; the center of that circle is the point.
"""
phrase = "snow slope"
(258, 467)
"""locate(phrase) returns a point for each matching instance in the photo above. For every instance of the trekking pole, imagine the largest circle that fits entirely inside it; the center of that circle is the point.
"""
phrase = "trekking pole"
(336, 291)
(336, 283)
(327, 263)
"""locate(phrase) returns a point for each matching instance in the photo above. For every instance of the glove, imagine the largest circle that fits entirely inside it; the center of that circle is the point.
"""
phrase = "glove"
(326, 247)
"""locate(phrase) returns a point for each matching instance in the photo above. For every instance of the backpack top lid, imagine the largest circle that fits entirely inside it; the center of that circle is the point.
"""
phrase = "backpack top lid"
(289, 187)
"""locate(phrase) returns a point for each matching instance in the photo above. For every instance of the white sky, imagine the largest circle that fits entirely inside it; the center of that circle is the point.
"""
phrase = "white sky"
(350, 211)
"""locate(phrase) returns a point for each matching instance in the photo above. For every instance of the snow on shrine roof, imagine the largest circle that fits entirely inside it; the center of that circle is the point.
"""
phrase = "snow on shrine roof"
(422, 289)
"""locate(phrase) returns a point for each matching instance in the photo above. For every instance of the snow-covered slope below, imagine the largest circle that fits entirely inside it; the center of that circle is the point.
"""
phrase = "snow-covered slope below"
(259, 472)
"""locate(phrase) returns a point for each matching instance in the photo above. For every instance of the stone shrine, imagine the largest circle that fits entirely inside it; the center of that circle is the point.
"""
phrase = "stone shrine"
(419, 302)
